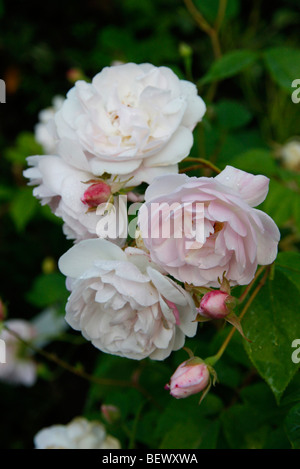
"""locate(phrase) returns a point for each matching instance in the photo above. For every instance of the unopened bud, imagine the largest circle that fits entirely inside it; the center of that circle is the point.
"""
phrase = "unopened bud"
(110, 413)
(215, 305)
(96, 194)
(75, 74)
(49, 265)
(185, 50)
(191, 377)
(290, 155)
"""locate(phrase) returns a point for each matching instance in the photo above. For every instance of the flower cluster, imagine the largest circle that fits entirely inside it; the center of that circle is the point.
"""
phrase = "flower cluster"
(133, 124)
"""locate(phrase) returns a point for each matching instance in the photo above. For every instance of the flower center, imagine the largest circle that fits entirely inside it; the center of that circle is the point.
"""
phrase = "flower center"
(218, 226)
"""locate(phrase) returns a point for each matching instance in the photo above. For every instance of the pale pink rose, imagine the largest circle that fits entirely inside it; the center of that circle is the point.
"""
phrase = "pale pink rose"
(45, 130)
(235, 236)
(78, 434)
(123, 304)
(132, 120)
(69, 192)
(19, 366)
(191, 377)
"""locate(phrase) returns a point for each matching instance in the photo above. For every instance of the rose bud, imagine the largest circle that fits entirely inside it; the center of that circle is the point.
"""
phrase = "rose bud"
(110, 413)
(75, 74)
(216, 304)
(96, 194)
(191, 377)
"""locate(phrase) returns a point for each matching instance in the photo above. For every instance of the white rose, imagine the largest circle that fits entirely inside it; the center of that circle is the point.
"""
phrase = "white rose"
(45, 130)
(63, 188)
(133, 120)
(19, 367)
(123, 304)
(78, 434)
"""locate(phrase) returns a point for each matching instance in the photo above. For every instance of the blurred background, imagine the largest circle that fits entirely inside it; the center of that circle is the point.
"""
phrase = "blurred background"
(243, 60)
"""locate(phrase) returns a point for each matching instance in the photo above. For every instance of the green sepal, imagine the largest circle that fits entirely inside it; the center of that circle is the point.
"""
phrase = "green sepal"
(235, 322)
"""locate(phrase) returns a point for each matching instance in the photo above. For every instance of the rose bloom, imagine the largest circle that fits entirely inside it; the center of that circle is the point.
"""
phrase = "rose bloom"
(132, 120)
(45, 130)
(78, 434)
(236, 236)
(123, 304)
(64, 188)
(19, 367)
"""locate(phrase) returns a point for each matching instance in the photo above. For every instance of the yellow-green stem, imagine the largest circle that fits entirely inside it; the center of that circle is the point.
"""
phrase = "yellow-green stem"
(206, 27)
(202, 162)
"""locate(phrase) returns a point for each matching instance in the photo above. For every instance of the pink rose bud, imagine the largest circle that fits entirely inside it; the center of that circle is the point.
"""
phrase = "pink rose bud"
(191, 377)
(214, 305)
(96, 194)
(74, 74)
(110, 413)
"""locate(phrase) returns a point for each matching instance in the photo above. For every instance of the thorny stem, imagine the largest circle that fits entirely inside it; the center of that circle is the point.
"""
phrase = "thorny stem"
(78, 372)
(201, 162)
(212, 360)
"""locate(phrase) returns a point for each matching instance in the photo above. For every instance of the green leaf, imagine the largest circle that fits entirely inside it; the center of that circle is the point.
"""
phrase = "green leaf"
(25, 146)
(244, 427)
(48, 289)
(232, 114)
(23, 208)
(289, 264)
(280, 203)
(292, 426)
(6, 193)
(178, 410)
(272, 323)
(183, 435)
(284, 65)
(256, 161)
(184, 424)
(229, 65)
